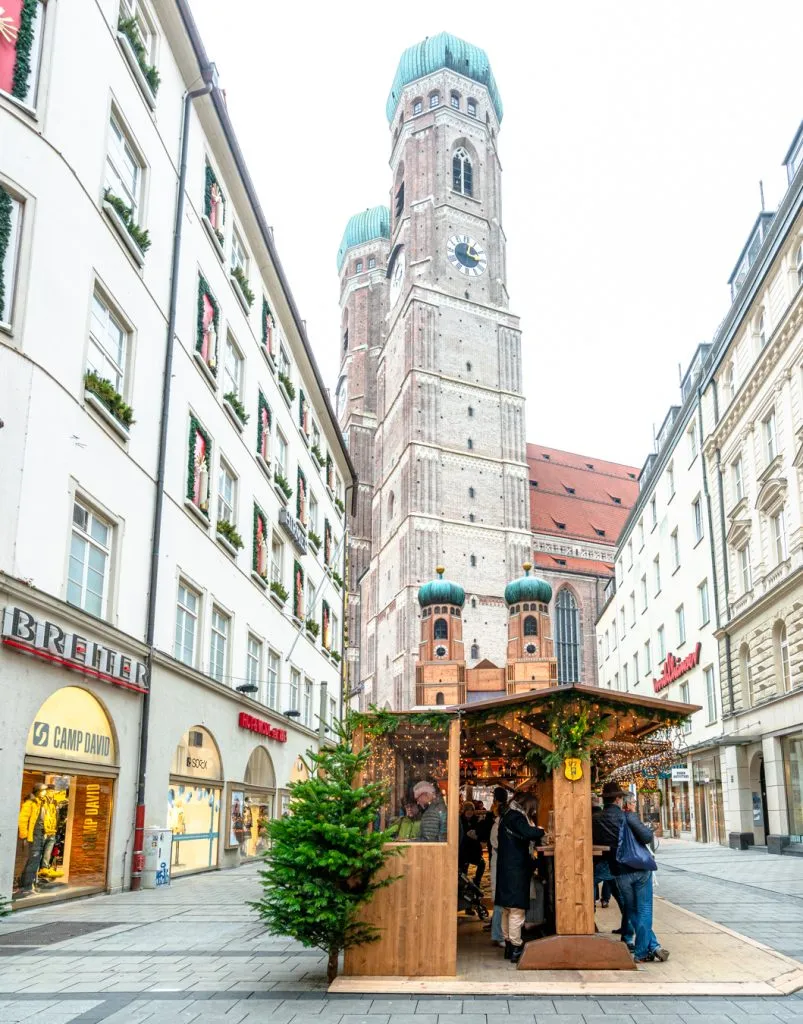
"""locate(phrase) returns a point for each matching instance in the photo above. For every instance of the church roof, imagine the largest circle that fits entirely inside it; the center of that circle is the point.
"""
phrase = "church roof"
(441, 591)
(443, 51)
(528, 588)
(363, 227)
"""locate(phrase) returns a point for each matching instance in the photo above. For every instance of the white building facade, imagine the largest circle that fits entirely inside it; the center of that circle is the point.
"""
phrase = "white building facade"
(173, 571)
(656, 633)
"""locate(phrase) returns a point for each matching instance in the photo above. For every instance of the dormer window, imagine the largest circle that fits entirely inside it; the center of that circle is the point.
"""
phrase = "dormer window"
(471, 108)
(569, 490)
(615, 500)
(545, 456)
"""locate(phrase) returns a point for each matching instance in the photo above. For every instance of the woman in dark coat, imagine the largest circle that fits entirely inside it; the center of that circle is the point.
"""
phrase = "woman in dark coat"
(515, 868)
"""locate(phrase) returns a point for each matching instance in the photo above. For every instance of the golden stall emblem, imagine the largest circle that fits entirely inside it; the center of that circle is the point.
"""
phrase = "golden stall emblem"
(573, 768)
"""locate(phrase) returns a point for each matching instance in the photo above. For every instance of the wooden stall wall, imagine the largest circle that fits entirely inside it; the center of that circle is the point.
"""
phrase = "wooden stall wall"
(417, 914)
(574, 870)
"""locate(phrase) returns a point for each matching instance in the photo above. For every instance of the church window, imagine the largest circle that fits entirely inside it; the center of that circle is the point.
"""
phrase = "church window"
(371, 262)
(359, 266)
(567, 637)
(471, 517)
(462, 173)
(439, 699)
(470, 444)
(418, 106)
(530, 626)
(391, 504)
(400, 199)
(441, 629)
(455, 100)
(473, 602)
(346, 340)
(471, 107)
(473, 561)
(434, 100)
(468, 367)
(471, 492)
(471, 410)
(475, 650)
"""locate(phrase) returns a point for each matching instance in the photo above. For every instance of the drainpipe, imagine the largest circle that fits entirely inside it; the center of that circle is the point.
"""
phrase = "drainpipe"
(209, 76)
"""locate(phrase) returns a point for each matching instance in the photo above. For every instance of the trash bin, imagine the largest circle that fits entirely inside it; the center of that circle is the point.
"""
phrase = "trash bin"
(158, 844)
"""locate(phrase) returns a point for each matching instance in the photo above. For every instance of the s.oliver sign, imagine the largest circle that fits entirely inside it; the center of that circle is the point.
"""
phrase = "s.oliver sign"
(21, 631)
(259, 725)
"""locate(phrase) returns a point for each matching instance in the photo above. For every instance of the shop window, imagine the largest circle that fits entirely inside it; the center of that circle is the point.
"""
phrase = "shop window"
(530, 626)
(441, 631)
(89, 567)
(187, 611)
(22, 51)
(256, 800)
(194, 798)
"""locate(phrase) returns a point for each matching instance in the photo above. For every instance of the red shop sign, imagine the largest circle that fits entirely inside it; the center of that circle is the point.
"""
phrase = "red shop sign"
(674, 668)
(262, 727)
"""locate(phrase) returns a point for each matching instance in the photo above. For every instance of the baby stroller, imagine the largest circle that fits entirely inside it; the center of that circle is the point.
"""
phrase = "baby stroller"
(469, 897)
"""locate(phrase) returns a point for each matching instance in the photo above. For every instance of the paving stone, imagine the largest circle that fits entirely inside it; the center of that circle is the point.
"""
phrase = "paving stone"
(395, 1005)
(465, 1018)
(439, 1006)
(514, 1017)
(413, 1018)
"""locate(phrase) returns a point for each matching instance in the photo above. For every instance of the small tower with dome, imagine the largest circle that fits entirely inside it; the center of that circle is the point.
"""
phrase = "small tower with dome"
(441, 669)
(531, 662)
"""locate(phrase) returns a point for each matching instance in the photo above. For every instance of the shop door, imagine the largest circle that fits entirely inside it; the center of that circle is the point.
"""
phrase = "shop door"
(762, 782)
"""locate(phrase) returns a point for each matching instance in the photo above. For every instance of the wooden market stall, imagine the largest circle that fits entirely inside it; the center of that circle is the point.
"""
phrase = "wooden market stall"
(555, 742)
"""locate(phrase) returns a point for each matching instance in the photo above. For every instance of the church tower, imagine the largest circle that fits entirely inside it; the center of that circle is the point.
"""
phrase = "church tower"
(450, 472)
(362, 262)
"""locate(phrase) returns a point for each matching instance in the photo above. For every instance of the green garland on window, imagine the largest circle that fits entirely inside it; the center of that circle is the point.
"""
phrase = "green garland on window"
(267, 315)
(298, 585)
(262, 404)
(301, 485)
(5, 238)
(195, 429)
(259, 517)
(211, 180)
(327, 542)
(22, 64)
(205, 291)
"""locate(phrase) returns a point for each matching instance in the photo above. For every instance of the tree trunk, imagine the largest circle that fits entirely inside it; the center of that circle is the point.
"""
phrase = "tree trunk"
(331, 967)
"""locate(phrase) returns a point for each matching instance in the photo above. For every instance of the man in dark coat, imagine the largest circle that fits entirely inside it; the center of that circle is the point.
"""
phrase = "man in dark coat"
(433, 820)
(515, 868)
(634, 887)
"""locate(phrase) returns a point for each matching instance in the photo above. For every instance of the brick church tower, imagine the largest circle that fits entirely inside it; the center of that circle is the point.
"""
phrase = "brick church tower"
(449, 475)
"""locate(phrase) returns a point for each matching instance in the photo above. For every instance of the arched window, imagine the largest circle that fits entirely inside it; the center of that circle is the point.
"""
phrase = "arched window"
(781, 649)
(418, 106)
(454, 99)
(475, 650)
(728, 382)
(746, 675)
(441, 629)
(567, 637)
(434, 99)
(530, 626)
(462, 173)
(439, 699)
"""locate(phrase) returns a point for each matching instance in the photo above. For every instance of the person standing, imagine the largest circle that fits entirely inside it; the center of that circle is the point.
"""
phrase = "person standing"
(499, 806)
(517, 829)
(433, 820)
(470, 844)
(655, 951)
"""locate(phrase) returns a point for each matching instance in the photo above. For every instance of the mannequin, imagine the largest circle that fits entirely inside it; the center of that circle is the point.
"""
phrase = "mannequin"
(31, 826)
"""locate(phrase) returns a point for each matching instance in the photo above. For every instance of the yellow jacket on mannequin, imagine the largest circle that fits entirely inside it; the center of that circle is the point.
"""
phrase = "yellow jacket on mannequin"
(29, 815)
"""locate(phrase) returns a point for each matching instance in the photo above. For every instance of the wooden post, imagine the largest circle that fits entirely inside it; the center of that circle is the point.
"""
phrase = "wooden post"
(574, 869)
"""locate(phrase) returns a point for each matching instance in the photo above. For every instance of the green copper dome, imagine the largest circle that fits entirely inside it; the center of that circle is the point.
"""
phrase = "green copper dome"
(443, 51)
(528, 588)
(441, 591)
(363, 227)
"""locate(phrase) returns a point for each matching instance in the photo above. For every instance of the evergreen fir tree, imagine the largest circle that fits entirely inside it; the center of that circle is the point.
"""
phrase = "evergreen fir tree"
(324, 855)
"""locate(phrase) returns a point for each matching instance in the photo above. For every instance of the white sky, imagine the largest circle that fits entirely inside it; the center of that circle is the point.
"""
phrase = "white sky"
(633, 141)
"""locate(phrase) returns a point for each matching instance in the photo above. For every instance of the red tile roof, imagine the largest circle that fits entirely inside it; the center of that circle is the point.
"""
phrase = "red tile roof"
(566, 563)
(578, 496)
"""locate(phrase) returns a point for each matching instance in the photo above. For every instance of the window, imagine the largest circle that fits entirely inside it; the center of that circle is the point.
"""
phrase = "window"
(434, 100)
(281, 453)
(123, 168)
(473, 561)
(284, 361)
(643, 592)
(661, 643)
(307, 702)
(799, 264)
(647, 658)
(276, 558)
(613, 635)
(675, 547)
(187, 607)
(761, 332)
(670, 480)
(232, 369)
(622, 621)
(441, 629)
(90, 550)
(625, 675)
(371, 262)
(684, 699)
(219, 644)
(729, 384)
(273, 679)
(471, 107)
(656, 571)
(226, 493)
(630, 554)
(636, 676)
(697, 517)
(567, 637)
(475, 651)
(746, 674)
(12, 208)
(239, 254)
(107, 345)
(471, 410)
(253, 664)
(632, 609)
(744, 568)
(702, 595)
(454, 100)
(616, 680)
(470, 444)
(691, 434)
(462, 173)
(710, 695)
(358, 267)
(680, 622)
(295, 689)
(332, 711)
(737, 476)
(640, 529)
(19, 72)
(313, 513)
(782, 669)
(530, 626)
(334, 632)
(770, 439)
(778, 536)
(418, 106)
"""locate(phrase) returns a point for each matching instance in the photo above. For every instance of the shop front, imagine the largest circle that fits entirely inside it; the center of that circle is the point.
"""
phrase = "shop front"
(708, 803)
(66, 800)
(677, 810)
(792, 747)
(194, 800)
(251, 806)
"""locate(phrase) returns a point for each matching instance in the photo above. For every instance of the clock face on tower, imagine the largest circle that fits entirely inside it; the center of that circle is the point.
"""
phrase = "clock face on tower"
(466, 255)
(397, 278)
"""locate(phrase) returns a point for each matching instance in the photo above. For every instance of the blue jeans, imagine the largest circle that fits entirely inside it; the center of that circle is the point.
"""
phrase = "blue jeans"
(636, 891)
(496, 926)
(602, 873)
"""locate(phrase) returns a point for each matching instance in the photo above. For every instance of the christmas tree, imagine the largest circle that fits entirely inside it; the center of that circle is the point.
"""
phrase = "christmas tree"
(324, 855)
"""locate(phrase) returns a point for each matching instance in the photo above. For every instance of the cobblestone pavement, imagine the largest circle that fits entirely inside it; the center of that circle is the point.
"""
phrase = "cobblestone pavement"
(196, 953)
